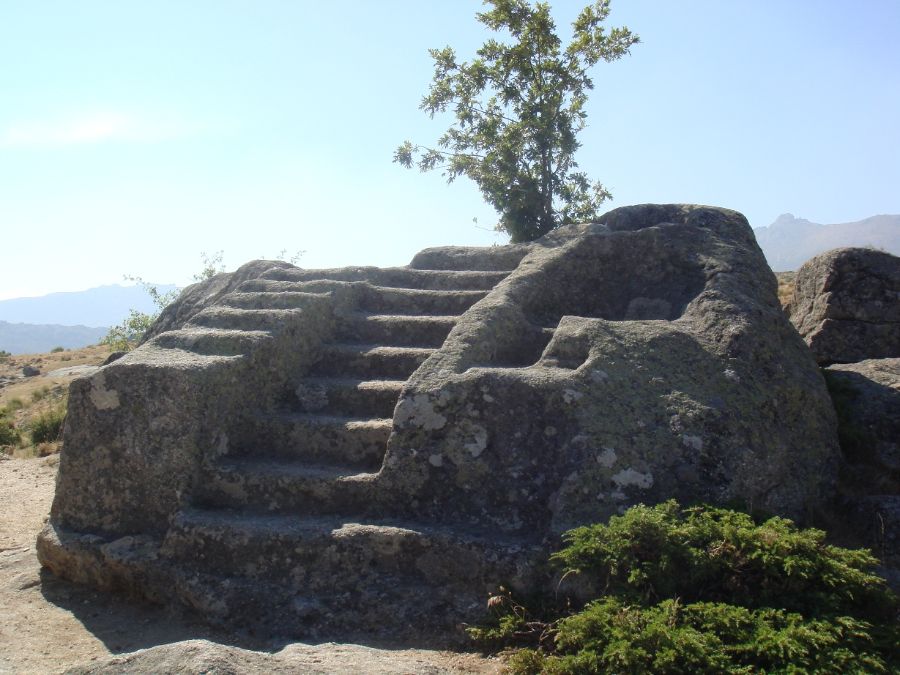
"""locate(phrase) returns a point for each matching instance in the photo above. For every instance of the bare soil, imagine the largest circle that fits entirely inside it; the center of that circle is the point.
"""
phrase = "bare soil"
(50, 626)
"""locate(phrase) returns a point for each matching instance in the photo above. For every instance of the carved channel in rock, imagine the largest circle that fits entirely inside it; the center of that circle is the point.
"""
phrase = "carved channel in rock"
(625, 276)
(616, 283)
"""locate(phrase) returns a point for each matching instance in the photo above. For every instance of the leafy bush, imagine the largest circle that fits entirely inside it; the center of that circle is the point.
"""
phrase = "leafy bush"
(707, 590)
(56, 350)
(4, 355)
(128, 333)
(47, 427)
(9, 435)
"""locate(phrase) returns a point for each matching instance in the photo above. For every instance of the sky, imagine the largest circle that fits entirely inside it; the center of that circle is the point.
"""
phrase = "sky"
(135, 136)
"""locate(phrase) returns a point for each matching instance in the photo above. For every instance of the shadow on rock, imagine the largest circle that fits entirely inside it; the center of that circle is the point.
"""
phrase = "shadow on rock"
(124, 625)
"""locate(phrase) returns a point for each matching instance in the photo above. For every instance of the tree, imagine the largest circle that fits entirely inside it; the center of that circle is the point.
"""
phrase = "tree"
(518, 110)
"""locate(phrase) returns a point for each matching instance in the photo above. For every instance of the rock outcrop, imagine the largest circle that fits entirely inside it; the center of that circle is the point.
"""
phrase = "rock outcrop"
(367, 452)
(867, 399)
(846, 305)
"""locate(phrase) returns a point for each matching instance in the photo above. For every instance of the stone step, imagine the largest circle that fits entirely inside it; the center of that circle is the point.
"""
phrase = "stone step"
(270, 299)
(317, 439)
(263, 285)
(284, 485)
(348, 397)
(213, 341)
(397, 277)
(495, 258)
(371, 361)
(396, 330)
(420, 615)
(243, 319)
(331, 554)
(386, 300)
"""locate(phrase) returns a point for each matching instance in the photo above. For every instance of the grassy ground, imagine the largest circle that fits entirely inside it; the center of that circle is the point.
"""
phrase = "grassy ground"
(785, 288)
(33, 403)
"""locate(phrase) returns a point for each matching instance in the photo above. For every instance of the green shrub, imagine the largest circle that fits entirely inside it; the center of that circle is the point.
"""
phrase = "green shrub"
(9, 435)
(55, 350)
(127, 334)
(706, 590)
(47, 427)
(39, 394)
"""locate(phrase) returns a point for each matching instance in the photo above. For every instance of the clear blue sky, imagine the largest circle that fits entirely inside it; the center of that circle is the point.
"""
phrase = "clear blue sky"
(134, 135)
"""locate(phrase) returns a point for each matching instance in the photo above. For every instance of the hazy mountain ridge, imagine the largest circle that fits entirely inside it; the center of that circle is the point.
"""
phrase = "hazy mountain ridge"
(100, 306)
(789, 241)
(25, 338)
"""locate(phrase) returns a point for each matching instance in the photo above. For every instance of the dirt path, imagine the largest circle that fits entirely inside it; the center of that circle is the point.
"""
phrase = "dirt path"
(49, 626)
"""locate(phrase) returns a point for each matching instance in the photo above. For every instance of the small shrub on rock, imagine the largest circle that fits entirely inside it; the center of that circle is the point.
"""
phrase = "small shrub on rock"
(706, 590)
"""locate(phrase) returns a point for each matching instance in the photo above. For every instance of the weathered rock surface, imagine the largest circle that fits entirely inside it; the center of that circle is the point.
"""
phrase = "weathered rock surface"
(366, 453)
(200, 295)
(202, 656)
(847, 305)
(867, 399)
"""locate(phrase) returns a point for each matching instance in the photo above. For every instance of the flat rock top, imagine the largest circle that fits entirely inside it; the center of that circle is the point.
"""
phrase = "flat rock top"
(203, 656)
(48, 626)
(883, 371)
(76, 371)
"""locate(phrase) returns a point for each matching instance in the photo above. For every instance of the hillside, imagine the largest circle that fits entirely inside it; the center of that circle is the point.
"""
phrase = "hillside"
(100, 306)
(789, 241)
(26, 338)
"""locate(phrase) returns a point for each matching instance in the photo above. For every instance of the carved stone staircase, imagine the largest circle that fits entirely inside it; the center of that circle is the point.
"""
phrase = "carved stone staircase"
(288, 528)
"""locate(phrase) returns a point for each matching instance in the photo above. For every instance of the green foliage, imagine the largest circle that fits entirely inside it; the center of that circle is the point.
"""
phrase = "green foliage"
(212, 265)
(129, 333)
(47, 427)
(518, 109)
(4, 355)
(14, 404)
(293, 259)
(56, 350)
(9, 434)
(706, 590)
(40, 394)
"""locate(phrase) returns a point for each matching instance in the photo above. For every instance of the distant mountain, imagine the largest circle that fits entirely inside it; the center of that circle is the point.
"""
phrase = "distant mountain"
(101, 306)
(24, 338)
(789, 242)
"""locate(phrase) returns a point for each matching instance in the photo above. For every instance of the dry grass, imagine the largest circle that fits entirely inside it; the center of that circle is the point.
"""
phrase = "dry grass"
(785, 288)
(25, 399)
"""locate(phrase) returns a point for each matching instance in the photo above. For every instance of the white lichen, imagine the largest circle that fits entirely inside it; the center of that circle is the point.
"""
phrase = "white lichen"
(101, 397)
(630, 477)
(418, 411)
(607, 458)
